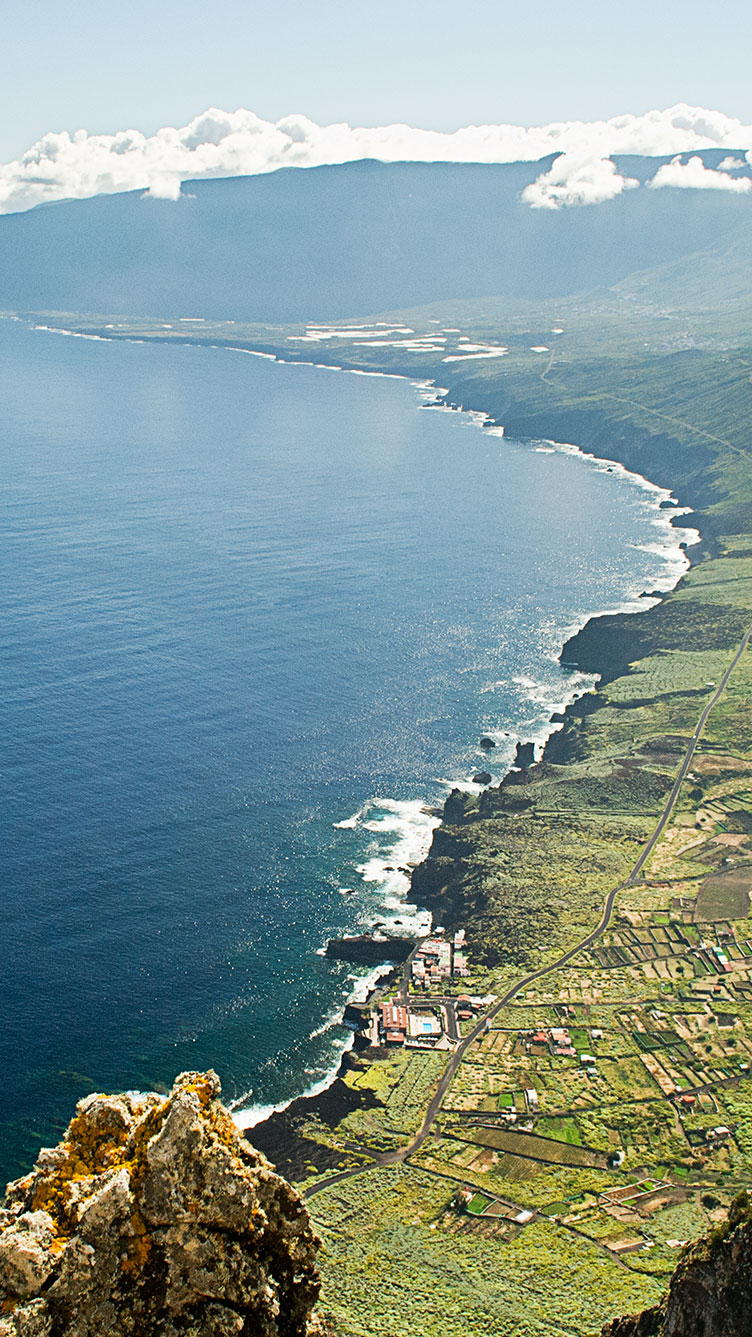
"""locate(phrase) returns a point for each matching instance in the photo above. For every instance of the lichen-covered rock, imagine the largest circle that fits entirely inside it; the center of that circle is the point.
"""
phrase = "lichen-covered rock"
(710, 1294)
(25, 1259)
(155, 1218)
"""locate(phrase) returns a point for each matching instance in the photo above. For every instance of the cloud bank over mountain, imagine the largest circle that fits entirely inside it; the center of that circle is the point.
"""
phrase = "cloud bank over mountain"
(239, 143)
(695, 175)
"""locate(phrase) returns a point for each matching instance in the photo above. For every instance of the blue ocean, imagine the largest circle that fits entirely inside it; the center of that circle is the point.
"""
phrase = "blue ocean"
(255, 618)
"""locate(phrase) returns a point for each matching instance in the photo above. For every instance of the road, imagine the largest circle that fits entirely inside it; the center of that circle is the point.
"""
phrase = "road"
(401, 1154)
(687, 760)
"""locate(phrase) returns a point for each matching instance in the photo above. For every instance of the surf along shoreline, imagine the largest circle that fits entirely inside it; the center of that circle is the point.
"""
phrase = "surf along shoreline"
(280, 1134)
(591, 650)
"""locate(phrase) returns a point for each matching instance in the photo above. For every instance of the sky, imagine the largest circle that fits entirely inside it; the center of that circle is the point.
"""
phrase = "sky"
(74, 78)
(436, 64)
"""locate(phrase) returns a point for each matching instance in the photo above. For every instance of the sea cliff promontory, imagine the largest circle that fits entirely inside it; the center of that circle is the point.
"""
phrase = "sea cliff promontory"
(152, 1218)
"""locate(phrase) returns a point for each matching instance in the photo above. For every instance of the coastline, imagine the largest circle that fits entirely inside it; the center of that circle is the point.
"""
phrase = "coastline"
(275, 1128)
(579, 827)
(557, 721)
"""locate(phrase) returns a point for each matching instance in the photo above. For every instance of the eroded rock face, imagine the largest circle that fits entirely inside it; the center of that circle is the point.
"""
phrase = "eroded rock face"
(155, 1218)
(710, 1294)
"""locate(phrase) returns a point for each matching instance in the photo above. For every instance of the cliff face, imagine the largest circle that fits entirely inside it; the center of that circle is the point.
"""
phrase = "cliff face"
(154, 1216)
(711, 1291)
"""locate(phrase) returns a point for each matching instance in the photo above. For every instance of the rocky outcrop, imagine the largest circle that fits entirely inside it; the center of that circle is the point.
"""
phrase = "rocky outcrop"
(610, 643)
(711, 1290)
(155, 1218)
(366, 950)
(459, 807)
(524, 757)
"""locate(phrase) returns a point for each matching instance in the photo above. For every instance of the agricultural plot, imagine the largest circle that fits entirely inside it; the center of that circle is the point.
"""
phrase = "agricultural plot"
(561, 1128)
(478, 1204)
(545, 1150)
(634, 946)
(402, 1084)
(726, 895)
(388, 1273)
(625, 1079)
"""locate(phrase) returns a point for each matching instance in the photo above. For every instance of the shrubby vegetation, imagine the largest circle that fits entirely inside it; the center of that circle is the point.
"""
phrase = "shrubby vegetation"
(526, 870)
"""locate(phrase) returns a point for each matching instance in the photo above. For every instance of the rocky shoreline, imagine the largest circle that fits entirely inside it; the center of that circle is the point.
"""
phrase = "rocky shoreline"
(605, 646)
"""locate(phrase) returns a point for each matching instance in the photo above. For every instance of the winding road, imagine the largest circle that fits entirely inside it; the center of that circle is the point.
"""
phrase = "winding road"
(401, 1154)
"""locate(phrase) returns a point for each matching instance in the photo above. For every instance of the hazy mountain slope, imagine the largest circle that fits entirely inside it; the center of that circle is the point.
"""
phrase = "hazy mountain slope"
(714, 277)
(331, 242)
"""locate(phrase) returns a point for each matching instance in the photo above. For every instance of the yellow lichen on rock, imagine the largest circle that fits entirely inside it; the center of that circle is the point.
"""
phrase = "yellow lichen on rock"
(154, 1215)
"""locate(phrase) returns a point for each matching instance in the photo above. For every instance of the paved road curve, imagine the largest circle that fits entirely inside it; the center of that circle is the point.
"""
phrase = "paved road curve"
(400, 1155)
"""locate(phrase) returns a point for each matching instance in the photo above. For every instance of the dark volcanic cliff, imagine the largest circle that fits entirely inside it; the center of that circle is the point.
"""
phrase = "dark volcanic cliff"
(155, 1218)
(711, 1291)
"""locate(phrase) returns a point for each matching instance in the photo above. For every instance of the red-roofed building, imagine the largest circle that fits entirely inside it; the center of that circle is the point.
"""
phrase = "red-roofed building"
(394, 1019)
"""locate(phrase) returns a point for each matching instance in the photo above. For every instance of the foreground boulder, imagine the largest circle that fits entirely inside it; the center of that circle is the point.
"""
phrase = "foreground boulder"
(710, 1294)
(155, 1218)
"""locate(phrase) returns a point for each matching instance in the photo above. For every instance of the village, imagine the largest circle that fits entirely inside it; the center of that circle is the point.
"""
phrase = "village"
(426, 1013)
(610, 1099)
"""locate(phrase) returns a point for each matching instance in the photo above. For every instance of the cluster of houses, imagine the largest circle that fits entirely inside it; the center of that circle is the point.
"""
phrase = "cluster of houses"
(420, 1026)
(408, 1022)
(720, 956)
(438, 959)
(558, 1041)
(716, 961)
(400, 1025)
(555, 1038)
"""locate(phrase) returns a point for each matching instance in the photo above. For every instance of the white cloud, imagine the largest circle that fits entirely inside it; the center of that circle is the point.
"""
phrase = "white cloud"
(577, 178)
(220, 143)
(731, 164)
(695, 175)
(163, 188)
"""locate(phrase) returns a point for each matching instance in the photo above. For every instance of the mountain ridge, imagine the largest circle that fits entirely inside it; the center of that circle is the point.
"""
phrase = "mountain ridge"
(345, 241)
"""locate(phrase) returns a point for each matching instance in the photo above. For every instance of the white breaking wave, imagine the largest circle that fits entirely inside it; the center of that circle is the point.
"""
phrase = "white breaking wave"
(248, 1115)
(400, 834)
(238, 143)
(403, 831)
(350, 823)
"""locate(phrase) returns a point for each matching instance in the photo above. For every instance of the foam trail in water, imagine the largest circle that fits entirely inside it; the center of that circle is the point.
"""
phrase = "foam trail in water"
(350, 823)
(402, 831)
(247, 1116)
